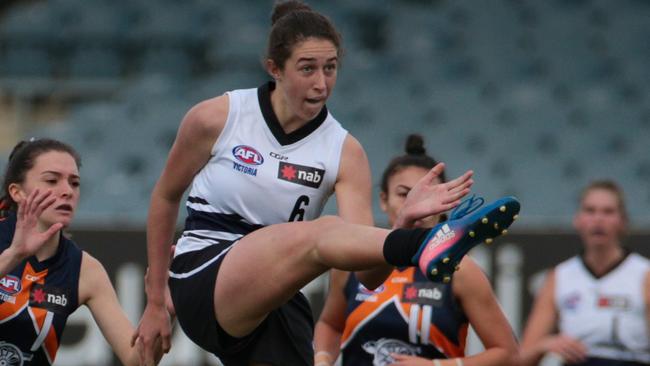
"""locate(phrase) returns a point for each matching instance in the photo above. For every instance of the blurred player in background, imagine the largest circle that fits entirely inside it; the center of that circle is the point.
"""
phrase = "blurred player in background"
(44, 276)
(593, 308)
(408, 320)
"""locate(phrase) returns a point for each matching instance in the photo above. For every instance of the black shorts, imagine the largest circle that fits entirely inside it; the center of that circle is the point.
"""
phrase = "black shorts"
(284, 338)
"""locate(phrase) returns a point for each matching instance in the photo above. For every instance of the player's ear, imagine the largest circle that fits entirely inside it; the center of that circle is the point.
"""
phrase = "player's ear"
(16, 192)
(273, 69)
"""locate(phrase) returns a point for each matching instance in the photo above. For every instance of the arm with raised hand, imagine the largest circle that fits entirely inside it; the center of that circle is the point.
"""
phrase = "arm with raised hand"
(27, 238)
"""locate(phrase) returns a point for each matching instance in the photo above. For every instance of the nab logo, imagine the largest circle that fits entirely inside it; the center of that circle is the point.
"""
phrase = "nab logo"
(10, 284)
(50, 298)
(620, 302)
(423, 293)
(247, 155)
(301, 174)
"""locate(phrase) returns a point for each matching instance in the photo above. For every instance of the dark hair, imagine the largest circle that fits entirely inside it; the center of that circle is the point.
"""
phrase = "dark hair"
(416, 155)
(610, 186)
(292, 22)
(22, 159)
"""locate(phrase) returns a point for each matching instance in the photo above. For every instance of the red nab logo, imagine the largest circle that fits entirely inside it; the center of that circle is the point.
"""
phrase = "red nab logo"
(423, 293)
(301, 174)
(50, 298)
(247, 155)
(614, 301)
(10, 284)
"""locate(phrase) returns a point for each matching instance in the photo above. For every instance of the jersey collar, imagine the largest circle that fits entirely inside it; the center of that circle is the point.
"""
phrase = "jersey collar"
(615, 265)
(264, 97)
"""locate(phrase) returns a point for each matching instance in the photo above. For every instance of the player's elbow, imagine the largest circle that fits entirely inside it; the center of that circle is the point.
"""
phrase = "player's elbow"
(509, 356)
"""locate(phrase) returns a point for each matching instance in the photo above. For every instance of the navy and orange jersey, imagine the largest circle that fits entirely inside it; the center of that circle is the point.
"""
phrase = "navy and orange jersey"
(36, 299)
(407, 314)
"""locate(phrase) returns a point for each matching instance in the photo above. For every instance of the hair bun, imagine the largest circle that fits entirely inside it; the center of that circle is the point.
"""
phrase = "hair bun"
(415, 145)
(286, 7)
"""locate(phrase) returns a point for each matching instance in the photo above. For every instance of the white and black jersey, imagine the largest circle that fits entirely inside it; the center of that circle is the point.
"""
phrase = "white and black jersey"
(258, 175)
(606, 313)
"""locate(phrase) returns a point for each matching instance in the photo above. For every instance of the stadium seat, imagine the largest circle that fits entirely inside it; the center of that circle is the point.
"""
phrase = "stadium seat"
(27, 61)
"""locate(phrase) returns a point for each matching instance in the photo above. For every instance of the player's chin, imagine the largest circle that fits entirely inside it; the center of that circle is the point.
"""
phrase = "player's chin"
(66, 220)
(62, 217)
(311, 110)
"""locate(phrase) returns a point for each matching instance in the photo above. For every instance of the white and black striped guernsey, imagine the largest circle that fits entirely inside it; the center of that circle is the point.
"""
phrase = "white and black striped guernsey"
(606, 313)
(258, 175)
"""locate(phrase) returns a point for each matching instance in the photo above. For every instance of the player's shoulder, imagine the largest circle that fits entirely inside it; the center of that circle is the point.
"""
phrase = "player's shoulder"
(90, 265)
(571, 263)
(352, 149)
(638, 257)
(208, 114)
(639, 260)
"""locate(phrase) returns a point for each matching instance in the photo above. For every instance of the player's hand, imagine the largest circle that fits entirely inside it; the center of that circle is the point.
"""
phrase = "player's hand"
(404, 360)
(569, 349)
(428, 197)
(154, 331)
(28, 239)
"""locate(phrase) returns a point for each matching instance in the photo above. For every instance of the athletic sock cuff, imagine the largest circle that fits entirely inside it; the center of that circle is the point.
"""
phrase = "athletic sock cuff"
(402, 244)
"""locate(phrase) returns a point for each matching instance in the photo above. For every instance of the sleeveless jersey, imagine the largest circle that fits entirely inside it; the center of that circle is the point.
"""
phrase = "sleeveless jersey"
(258, 175)
(36, 299)
(608, 314)
(407, 314)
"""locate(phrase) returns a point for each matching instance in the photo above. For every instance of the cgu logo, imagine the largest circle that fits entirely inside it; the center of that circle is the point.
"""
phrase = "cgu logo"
(278, 156)
(10, 284)
(247, 155)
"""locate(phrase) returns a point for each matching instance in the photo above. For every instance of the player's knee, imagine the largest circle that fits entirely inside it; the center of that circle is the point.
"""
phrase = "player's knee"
(328, 222)
(309, 233)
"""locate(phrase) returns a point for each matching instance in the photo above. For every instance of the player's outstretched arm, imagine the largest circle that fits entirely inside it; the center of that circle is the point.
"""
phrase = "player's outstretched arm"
(97, 292)
(190, 152)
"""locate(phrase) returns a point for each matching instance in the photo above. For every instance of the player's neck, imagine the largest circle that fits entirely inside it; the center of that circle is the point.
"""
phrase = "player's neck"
(287, 119)
(601, 260)
(49, 249)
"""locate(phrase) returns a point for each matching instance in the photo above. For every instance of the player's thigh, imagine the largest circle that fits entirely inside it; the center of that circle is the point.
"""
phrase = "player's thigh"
(263, 270)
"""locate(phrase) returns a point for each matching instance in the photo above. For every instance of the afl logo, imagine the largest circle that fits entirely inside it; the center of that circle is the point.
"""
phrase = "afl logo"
(247, 155)
(10, 285)
(10, 355)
